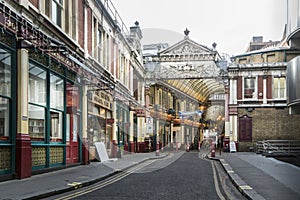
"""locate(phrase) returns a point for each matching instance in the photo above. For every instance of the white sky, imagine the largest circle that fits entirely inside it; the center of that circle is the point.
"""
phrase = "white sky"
(229, 23)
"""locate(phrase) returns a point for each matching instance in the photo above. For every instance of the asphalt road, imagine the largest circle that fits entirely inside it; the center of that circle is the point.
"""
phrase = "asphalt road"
(177, 176)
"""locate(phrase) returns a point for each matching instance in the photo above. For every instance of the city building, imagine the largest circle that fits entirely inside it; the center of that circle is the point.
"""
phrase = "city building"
(258, 96)
(71, 76)
(264, 88)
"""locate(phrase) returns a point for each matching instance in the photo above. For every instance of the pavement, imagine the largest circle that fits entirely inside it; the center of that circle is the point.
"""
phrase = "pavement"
(257, 177)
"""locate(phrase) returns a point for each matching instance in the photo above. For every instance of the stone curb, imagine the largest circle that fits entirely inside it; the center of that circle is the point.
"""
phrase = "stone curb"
(239, 183)
(69, 188)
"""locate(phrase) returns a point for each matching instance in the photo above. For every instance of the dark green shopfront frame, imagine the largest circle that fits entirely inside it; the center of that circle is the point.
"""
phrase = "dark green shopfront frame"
(8, 43)
(52, 66)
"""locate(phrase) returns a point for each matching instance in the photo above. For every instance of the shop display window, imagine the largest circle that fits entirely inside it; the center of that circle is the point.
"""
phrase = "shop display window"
(5, 75)
(37, 85)
(4, 119)
(36, 123)
(5, 92)
(56, 126)
(57, 92)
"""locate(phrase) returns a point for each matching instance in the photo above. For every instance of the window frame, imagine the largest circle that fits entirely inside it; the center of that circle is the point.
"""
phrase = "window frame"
(254, 96)
(11, 99)
(279, 88)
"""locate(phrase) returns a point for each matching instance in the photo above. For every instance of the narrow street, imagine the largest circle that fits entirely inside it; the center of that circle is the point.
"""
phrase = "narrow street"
(175, 177)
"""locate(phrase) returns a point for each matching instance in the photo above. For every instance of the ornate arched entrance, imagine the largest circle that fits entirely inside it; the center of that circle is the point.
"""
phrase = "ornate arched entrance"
(189, 72)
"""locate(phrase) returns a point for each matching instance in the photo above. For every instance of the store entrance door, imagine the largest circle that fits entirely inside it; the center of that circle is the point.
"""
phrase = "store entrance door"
(72, 139)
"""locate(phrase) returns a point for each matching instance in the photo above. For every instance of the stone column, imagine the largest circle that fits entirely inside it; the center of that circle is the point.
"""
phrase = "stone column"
(114, 147)
(23, 143)
(85, 142)
(131, 142)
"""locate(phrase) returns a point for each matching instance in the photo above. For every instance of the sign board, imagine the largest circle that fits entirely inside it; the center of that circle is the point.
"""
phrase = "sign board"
(232, 147)
(149, 125)
(101, 152)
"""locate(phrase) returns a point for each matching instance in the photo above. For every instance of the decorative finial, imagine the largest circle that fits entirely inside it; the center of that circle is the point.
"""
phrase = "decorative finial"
(136, 23)
(186, 32)
(214, 45)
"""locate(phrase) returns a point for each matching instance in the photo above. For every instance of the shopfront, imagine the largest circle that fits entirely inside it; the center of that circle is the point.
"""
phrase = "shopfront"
(100, 120)
(123, 127)
(54, 112)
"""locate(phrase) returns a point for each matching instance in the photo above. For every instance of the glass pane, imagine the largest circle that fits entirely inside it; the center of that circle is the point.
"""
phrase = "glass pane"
(36, 125)
(56, 126)
(57, 92)
(276, 83)
(5, 72)
(282, 83)
(37, 85)
(249, 87)
(68, 128)
(54, 12)
(72, 96)
(75, 128)
(4, 119)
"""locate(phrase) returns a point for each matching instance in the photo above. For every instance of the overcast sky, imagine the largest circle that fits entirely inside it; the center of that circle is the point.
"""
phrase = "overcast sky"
(229, 23)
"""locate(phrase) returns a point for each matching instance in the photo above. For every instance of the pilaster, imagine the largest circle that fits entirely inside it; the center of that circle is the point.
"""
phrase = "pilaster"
(23, 143)
(85, 142)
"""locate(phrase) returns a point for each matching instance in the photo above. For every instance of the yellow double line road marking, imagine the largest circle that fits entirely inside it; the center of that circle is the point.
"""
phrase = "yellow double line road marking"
(107, 182)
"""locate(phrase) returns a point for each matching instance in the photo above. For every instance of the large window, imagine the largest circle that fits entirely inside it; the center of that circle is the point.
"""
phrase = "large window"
(279, 87)
(57, 92)
(46, 98)
(5, 93)
(37, 85)
(54, 10)
(36, 123)
(249, 88)
(57, 107)
(4, 119)
(57, 9)
(71, 18)
(37, 93)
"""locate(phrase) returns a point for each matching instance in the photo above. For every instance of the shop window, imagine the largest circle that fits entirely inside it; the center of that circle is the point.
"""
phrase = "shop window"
(56, 126)
(279, 87)
(37, 85)
(5, 92)
(36, 122)
(72, 96)
(4, 119)
(5, 75)
(249, 88)
(37, 102)
(57, 92)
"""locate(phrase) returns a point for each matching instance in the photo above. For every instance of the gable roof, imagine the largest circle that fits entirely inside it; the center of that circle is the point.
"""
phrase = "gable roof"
(187, 46)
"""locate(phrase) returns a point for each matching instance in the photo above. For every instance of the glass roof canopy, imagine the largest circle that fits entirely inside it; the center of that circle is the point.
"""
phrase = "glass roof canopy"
(187, 67)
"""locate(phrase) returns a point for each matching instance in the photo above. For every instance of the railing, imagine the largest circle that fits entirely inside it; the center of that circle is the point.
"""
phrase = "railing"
(278, 147)
(109, 6)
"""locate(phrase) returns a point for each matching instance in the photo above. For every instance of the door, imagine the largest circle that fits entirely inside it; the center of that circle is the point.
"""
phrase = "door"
(72, 139)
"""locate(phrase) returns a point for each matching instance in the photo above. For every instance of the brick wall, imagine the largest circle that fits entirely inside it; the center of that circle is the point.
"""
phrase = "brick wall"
(35, 3)
(81, 24)
(271, 124)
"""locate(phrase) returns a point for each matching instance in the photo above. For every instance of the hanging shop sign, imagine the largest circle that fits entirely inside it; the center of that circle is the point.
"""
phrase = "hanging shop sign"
(140, 113)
